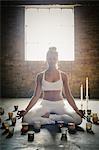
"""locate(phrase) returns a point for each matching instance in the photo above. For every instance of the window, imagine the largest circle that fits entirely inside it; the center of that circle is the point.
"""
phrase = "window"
(49, 26)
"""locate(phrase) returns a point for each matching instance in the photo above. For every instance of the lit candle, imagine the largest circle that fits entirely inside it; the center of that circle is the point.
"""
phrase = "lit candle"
(71, 128)
(88, 126)
(16, 107)
(81, 96)
(60, 124)
(64, 133)
(13, 121)
(25, 128)
(86, 87)
(37, 126)
(30, 136)
(10, 114)
(10, 132)
(95, 118)
(4, 125)
(87, 92)
(1, 111)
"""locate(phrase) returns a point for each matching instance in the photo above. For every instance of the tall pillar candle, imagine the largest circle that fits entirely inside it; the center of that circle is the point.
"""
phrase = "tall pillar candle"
(81, 96)
(87, 92)
(86, 87)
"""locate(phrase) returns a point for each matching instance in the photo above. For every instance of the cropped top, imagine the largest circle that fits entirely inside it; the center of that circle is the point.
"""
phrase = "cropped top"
(52, 86)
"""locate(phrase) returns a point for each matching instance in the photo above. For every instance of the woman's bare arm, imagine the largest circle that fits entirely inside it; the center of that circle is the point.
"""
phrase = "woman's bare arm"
(36, 96)
(37, 93)
(68, 94)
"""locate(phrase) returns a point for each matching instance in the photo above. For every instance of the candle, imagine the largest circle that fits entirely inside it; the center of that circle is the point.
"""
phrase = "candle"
(81, 96)
(1, 111)
(10, 132)
(87, 92)
(4, 125)
(25, 128)
(88, 118)
(88, 126)
(16, 107)
(86, 87)
(6, 130)
(37, 126)
(60, 124)
(88, 111)
(13, 121)
(64, 133)
(30, 136)
(71, 128)
(10, 114)
(95, 118)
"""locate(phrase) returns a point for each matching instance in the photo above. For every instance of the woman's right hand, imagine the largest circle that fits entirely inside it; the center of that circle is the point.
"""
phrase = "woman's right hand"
(21, 113)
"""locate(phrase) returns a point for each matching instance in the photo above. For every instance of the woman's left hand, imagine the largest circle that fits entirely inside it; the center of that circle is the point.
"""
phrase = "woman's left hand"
(21, 113)
(79, 113)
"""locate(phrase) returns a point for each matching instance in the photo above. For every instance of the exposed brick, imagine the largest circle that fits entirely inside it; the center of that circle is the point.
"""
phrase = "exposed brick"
(18, 76)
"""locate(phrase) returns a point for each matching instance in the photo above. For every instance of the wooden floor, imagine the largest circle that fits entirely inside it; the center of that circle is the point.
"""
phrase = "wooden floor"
(49, 137)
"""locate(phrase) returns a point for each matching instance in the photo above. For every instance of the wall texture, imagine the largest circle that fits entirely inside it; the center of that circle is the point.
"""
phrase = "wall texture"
(18, 76)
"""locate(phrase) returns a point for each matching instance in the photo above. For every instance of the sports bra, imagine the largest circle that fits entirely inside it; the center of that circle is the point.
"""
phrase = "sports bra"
(52, 86)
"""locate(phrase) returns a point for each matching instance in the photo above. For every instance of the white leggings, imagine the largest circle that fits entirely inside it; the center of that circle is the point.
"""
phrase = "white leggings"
(61, 109)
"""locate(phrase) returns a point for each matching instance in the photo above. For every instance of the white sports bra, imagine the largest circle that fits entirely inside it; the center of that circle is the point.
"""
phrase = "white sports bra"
(52, 86)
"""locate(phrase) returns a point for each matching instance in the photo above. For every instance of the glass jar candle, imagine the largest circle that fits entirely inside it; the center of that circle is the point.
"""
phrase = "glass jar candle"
(25, 128)
(88, 126)
(94, 118)
(37, 126)
(10, 132)
(16, 107)
(60, 124)
(89, 112)
(1, 111)
(4, 125)
(10, 114)
(30, 136)
(13, 121)
(89, 118)
(7, 129)
(64, 133)
(71, 128)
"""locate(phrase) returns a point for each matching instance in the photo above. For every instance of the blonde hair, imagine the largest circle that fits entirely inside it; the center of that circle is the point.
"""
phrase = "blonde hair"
(52, 50)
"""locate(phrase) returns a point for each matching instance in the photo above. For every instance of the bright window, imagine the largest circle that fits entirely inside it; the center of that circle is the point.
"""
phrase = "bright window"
(46, 27)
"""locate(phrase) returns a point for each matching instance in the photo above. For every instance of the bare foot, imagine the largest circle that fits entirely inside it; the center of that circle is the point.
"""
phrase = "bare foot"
(46, 115)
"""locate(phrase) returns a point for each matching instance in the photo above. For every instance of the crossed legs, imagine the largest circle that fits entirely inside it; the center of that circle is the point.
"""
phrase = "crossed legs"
(61, 111)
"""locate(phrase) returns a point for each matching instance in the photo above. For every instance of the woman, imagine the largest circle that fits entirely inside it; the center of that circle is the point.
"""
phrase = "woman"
(52, 82)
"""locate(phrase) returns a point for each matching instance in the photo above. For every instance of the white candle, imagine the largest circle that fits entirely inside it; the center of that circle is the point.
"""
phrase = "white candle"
(81, 95)
(87, 92)
(86, 87)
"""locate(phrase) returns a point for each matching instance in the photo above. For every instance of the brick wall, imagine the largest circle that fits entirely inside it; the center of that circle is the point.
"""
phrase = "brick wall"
(18, 76)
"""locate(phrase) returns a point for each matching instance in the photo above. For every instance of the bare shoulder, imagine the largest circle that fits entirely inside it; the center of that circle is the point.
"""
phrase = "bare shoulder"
(39, 76)
(64, 76)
